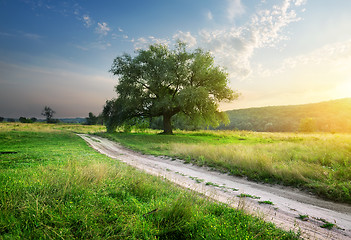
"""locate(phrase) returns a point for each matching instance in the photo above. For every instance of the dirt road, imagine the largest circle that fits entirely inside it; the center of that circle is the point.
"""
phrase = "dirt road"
(289, 204)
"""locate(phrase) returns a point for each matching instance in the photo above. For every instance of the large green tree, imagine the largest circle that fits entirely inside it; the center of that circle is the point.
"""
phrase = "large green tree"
(164, 82)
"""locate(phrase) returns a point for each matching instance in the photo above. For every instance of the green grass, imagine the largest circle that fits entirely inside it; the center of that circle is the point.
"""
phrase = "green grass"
(212, 184)
(197, 180)
(266, 202)
(56, 187)
(319, 163)
(303, 217)
(153, 143)
(328, 225)
(244, 195)
(44, 127)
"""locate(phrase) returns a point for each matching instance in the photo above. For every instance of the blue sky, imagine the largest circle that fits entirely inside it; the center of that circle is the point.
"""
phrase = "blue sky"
(277, 52)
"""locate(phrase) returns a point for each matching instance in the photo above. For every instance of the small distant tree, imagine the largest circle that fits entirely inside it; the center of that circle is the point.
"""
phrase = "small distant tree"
(33, 119)
(48, 113)
(1, 119)
(92, 119)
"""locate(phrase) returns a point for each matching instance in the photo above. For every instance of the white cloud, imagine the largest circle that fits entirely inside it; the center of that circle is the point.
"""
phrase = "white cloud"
(142, 43)
(185, 37)
(82, 47)
(5, 34)
(87, 20)
(32, 36)
(209, 15)
(114, 36)
(300, 2)
(336, 56)
(76, 12)
(233, 47)
(120, 29)
(235, 8)
(102, 29)
(100, 45)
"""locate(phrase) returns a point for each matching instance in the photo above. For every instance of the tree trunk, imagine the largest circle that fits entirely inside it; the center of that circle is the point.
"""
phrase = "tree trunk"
(167, 124)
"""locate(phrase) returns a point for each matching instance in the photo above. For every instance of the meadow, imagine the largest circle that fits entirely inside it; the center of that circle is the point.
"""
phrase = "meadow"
(316, 162)
(54, 186)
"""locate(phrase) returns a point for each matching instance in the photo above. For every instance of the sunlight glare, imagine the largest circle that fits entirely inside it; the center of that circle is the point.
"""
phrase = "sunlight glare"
(344, 90)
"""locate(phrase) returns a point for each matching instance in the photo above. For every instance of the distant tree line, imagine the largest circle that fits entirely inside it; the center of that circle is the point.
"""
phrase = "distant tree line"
(21, 119)
(331, 116)
(27, 120)
(48, 113)
(94, 120)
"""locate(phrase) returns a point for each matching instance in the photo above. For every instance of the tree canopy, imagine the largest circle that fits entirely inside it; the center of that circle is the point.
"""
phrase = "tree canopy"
(91, 119)
(163, 82)
(48, 113)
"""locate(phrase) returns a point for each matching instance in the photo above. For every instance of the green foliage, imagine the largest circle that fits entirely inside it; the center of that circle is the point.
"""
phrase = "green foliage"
(49, 113)
(1, 119)
(307, 125)
(328, 225)
(91, 119)
(303, 217)
(23, 120)
(244, 195)
(179, 121)
(266, 202)
(57, 187)
(163, 82)
(27, 120)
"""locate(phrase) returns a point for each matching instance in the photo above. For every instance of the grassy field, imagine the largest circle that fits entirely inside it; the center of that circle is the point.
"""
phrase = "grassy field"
(319, 163)
(44, 127)
(53, 186)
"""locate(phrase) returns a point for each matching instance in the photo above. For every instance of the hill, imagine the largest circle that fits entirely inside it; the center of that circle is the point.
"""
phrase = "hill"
(330, 116)
(73, 120)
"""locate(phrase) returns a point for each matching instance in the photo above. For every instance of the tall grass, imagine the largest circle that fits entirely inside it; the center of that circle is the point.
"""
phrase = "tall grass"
(320, 163)
(44, 127)
(56, 187)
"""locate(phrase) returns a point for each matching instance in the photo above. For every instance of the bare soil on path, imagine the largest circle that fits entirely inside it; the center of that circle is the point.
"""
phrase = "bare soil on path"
(289, 204)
